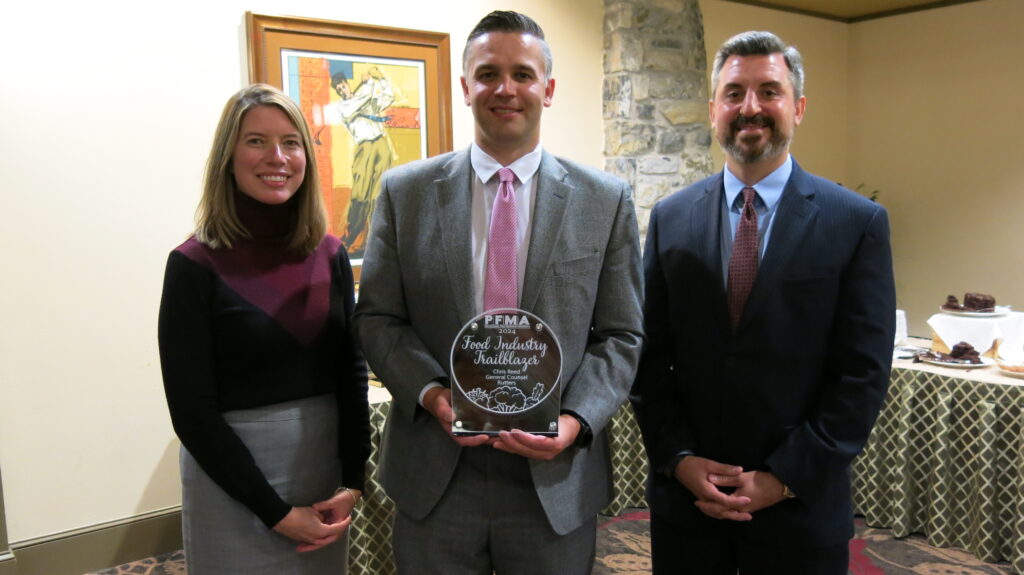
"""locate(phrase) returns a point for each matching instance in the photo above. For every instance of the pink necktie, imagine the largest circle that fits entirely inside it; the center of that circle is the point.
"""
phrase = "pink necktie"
(743, 261)
(501, 286)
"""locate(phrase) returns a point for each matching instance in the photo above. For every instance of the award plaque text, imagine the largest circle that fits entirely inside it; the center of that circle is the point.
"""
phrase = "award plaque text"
(506, 369)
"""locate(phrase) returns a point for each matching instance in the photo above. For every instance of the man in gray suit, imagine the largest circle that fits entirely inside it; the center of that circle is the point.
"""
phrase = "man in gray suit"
(516, 502)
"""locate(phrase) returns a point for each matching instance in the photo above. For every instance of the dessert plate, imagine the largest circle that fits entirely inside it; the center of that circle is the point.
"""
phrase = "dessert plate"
(985, 362)
(1012, 370)
(999, 310)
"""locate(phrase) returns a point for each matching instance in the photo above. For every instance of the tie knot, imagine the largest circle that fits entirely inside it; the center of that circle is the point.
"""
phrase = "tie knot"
(506, 176)
(748, 195)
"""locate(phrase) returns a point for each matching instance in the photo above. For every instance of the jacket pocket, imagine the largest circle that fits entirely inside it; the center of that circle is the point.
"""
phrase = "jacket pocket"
(578, 265)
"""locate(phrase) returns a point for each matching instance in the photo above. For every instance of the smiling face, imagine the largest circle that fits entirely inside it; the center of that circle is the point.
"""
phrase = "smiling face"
(507, 87)
(754, 112)
(269, 161)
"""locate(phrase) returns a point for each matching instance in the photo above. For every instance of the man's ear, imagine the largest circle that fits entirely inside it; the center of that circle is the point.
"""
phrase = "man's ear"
(465, 90)
(801, 105)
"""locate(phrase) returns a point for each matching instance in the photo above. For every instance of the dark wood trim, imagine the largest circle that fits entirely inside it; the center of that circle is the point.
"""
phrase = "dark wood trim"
(777, 8)
(910, 9)
(872, 16)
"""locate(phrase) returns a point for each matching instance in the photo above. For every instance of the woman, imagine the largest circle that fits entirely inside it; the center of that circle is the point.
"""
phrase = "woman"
(266, 388)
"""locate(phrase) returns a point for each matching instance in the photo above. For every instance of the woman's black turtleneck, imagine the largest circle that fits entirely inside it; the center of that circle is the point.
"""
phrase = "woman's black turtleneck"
(258, 324)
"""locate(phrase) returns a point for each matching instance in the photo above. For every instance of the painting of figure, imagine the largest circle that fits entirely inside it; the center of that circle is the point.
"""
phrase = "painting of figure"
(366, 115)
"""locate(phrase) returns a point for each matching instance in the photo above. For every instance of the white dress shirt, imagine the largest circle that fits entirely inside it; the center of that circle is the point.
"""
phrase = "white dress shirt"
(484, 190)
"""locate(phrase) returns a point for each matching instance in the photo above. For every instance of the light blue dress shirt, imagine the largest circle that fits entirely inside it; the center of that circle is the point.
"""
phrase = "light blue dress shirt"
(769, 192)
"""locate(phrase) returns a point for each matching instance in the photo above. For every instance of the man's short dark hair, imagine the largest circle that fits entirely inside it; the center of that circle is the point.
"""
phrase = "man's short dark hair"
(760, 44)
(338, 78)
(509, 21)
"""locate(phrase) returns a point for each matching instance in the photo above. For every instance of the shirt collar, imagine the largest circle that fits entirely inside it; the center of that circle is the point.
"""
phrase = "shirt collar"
(768, 189)
(485, 166)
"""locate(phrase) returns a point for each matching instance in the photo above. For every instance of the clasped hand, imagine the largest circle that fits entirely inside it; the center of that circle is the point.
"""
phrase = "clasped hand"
(439, 403)
(319, 525)
(752, 490)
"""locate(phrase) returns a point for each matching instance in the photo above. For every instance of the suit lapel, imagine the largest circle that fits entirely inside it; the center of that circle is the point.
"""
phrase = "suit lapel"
(794, 216)
(454, 204)
(550, 201)
(705, 225)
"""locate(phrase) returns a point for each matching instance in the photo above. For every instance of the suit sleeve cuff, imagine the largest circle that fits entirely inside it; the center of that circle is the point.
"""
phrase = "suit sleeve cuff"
(427, 388)
(669, 469)
(586, 435)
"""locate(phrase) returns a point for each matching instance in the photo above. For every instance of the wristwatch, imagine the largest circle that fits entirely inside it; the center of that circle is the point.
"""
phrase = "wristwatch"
(585, 436)
(786, 492)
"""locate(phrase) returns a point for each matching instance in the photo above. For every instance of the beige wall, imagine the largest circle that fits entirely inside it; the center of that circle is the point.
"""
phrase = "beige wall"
(930, 130)
(107, 112)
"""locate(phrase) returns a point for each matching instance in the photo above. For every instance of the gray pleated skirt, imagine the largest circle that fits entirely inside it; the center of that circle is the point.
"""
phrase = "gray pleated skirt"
(295, 445)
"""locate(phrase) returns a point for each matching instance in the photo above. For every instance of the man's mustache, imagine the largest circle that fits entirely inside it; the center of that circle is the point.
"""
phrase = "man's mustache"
(759, 120)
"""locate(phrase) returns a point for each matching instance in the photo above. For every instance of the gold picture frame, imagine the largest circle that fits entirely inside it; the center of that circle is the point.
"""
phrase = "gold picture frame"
(374, 97)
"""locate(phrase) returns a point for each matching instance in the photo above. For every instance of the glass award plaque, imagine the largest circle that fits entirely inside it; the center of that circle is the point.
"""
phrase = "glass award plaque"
(506, 369)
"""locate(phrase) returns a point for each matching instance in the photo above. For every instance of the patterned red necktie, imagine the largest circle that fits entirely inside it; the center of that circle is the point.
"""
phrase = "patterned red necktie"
(743, 261)
(501, 285)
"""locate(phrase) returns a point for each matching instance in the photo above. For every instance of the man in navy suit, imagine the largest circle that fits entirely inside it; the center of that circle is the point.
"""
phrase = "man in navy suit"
(753, 402)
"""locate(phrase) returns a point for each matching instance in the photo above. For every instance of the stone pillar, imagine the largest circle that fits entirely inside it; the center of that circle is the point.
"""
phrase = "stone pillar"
(656, 128)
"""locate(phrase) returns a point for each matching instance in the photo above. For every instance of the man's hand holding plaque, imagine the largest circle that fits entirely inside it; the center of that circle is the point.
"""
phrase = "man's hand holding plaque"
(537, 446)
(438, 401)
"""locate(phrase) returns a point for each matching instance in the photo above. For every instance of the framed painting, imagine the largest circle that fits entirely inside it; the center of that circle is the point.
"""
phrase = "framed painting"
(373, 97)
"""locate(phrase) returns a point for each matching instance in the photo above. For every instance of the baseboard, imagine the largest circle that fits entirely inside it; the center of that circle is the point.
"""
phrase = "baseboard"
(8, 564)
(100, 546)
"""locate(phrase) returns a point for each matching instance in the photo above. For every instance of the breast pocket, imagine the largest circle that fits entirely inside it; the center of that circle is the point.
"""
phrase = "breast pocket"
(811, 284)
(571, 288)
(579, 265)
(809, 299)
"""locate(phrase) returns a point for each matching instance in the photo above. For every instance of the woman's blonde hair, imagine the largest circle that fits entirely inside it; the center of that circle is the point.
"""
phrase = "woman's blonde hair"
(217, 223)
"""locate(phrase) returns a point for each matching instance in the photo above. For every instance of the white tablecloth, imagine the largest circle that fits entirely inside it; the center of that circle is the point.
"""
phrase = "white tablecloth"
(983, 332)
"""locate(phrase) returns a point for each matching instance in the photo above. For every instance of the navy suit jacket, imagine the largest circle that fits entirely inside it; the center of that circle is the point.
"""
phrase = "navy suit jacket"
(796, 388)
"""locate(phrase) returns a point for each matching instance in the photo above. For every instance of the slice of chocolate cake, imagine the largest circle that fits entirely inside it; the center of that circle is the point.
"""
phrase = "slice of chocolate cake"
(979, 302)
(964, 352)
(952, 304)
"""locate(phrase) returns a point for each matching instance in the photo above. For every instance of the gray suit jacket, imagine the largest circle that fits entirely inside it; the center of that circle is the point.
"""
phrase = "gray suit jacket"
(583, 278)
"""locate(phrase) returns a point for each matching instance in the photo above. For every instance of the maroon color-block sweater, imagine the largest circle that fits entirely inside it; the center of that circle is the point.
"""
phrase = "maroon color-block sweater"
(256, 325)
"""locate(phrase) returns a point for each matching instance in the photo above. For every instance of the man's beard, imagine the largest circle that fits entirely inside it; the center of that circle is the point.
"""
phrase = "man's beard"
(777, 144)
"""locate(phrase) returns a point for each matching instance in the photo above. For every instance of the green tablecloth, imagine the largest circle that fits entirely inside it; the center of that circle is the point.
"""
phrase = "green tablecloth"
(946, 459)
(370, 534)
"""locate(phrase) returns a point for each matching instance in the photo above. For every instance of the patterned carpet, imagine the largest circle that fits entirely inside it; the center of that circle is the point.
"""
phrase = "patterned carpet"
(623, 545)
